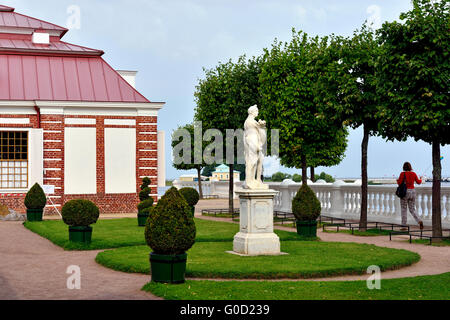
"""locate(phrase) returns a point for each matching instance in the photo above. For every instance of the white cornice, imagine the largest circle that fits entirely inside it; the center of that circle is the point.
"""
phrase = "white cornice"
(81, 108)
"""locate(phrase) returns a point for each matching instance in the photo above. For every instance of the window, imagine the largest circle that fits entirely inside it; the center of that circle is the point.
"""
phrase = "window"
(13, 159)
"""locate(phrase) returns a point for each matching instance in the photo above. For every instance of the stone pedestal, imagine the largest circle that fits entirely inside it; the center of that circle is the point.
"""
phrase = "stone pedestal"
(256, 236)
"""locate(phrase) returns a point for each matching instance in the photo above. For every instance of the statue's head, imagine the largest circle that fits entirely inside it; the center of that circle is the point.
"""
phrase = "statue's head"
(253, 110)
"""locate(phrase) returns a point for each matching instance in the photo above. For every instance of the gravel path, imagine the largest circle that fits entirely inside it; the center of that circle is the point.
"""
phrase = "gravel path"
(31, 267)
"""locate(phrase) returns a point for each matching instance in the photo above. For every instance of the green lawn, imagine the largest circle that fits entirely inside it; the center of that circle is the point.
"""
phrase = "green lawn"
(442, 243)
(417, 288)
(367, 233)
(115, 233)
(306, 259)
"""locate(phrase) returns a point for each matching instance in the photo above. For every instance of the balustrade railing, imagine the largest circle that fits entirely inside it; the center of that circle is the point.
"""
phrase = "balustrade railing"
(343, 200)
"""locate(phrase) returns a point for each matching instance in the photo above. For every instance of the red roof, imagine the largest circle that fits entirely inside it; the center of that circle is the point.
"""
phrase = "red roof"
(90, 79)
(23, 44)
(58, 71)
(9, 18)
(6, 8)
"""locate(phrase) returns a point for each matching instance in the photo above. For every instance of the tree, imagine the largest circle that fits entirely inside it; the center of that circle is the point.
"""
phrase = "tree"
(189, 165)
(413, 76)
(348, 90)
(288, 75)
(223, 99)
(280, 176)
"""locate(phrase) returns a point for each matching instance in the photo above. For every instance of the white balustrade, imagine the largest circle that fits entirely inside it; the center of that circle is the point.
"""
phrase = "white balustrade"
(343, 200)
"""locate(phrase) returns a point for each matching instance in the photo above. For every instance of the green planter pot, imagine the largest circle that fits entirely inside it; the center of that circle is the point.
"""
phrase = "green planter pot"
(34, 214)
(168, 268)
(80, 234)
(307, 228)
(142, 219)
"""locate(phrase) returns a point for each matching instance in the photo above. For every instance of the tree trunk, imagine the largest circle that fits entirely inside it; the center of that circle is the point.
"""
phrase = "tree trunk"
(199, 176)
(364, 147)
(231, 190)
(304, 170)
(313, 177)
(436, 191)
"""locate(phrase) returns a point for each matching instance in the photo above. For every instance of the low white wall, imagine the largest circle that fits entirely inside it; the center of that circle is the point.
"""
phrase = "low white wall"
(343, 200)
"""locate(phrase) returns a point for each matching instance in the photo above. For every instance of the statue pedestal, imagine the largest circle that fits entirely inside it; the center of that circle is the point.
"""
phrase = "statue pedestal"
(256, 236)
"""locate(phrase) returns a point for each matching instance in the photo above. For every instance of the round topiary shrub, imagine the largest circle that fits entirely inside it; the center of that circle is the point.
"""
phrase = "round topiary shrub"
(35, 198)
(77, 213)
(144, 204)
(170, 228)
(191, 195)
(305, 205)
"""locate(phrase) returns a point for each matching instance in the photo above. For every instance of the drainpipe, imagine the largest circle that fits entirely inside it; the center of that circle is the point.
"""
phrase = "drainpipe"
(38, 112)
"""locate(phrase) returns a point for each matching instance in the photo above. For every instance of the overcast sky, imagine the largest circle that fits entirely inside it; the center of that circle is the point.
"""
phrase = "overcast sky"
(170, 41)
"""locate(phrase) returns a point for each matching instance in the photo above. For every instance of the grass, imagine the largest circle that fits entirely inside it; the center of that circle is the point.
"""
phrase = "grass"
(434, 287)
(115, 233)
(367, 233)
(442, 243)
(306, 259)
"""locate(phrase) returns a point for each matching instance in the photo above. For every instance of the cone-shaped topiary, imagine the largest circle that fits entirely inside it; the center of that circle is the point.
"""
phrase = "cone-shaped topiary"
(305, 205)
(77, 213)
(144, 204)
(170, 228)
(144, 194)
(35, 198)
(191, 195)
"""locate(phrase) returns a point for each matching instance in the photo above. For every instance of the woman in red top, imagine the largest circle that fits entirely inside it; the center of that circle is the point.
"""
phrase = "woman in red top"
(410, 199)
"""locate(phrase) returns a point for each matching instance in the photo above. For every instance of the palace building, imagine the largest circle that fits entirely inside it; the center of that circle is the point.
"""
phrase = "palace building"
(69, 121)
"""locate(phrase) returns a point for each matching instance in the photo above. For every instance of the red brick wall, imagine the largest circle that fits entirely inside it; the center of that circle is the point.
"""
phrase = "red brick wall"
(53, 126)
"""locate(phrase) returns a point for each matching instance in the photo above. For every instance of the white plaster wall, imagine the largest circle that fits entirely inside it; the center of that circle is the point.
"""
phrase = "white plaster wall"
(80, 154)
(120, 160)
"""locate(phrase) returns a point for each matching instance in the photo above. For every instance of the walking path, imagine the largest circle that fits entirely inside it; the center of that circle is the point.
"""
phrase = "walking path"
(31, 267)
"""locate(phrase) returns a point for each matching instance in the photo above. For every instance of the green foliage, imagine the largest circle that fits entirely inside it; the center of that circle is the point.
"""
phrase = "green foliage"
(326, 177)
(194, 152)
(79, 213)
(190, 195)
(147, 211)
(170, 229)
(413, 74)
(307, 136)
(305, 205)
(147, 203)
(35, 198)
(297, 177)
(144, 194)
(145, 182)
(280, 176)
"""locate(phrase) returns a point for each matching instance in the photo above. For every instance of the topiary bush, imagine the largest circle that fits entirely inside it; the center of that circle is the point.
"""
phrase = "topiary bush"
(144, 204)
(170, 228)
(35, 198)
(145, 190)
(77, 213)
(191, 195)
(305, 205)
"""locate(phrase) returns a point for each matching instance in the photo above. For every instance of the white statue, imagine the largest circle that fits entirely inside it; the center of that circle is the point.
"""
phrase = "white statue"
(254, 140)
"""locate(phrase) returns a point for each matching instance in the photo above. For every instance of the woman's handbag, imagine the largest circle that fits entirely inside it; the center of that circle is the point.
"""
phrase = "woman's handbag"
(401, 189)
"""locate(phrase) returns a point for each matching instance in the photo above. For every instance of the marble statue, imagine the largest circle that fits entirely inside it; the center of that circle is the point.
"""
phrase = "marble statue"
(254, 140)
